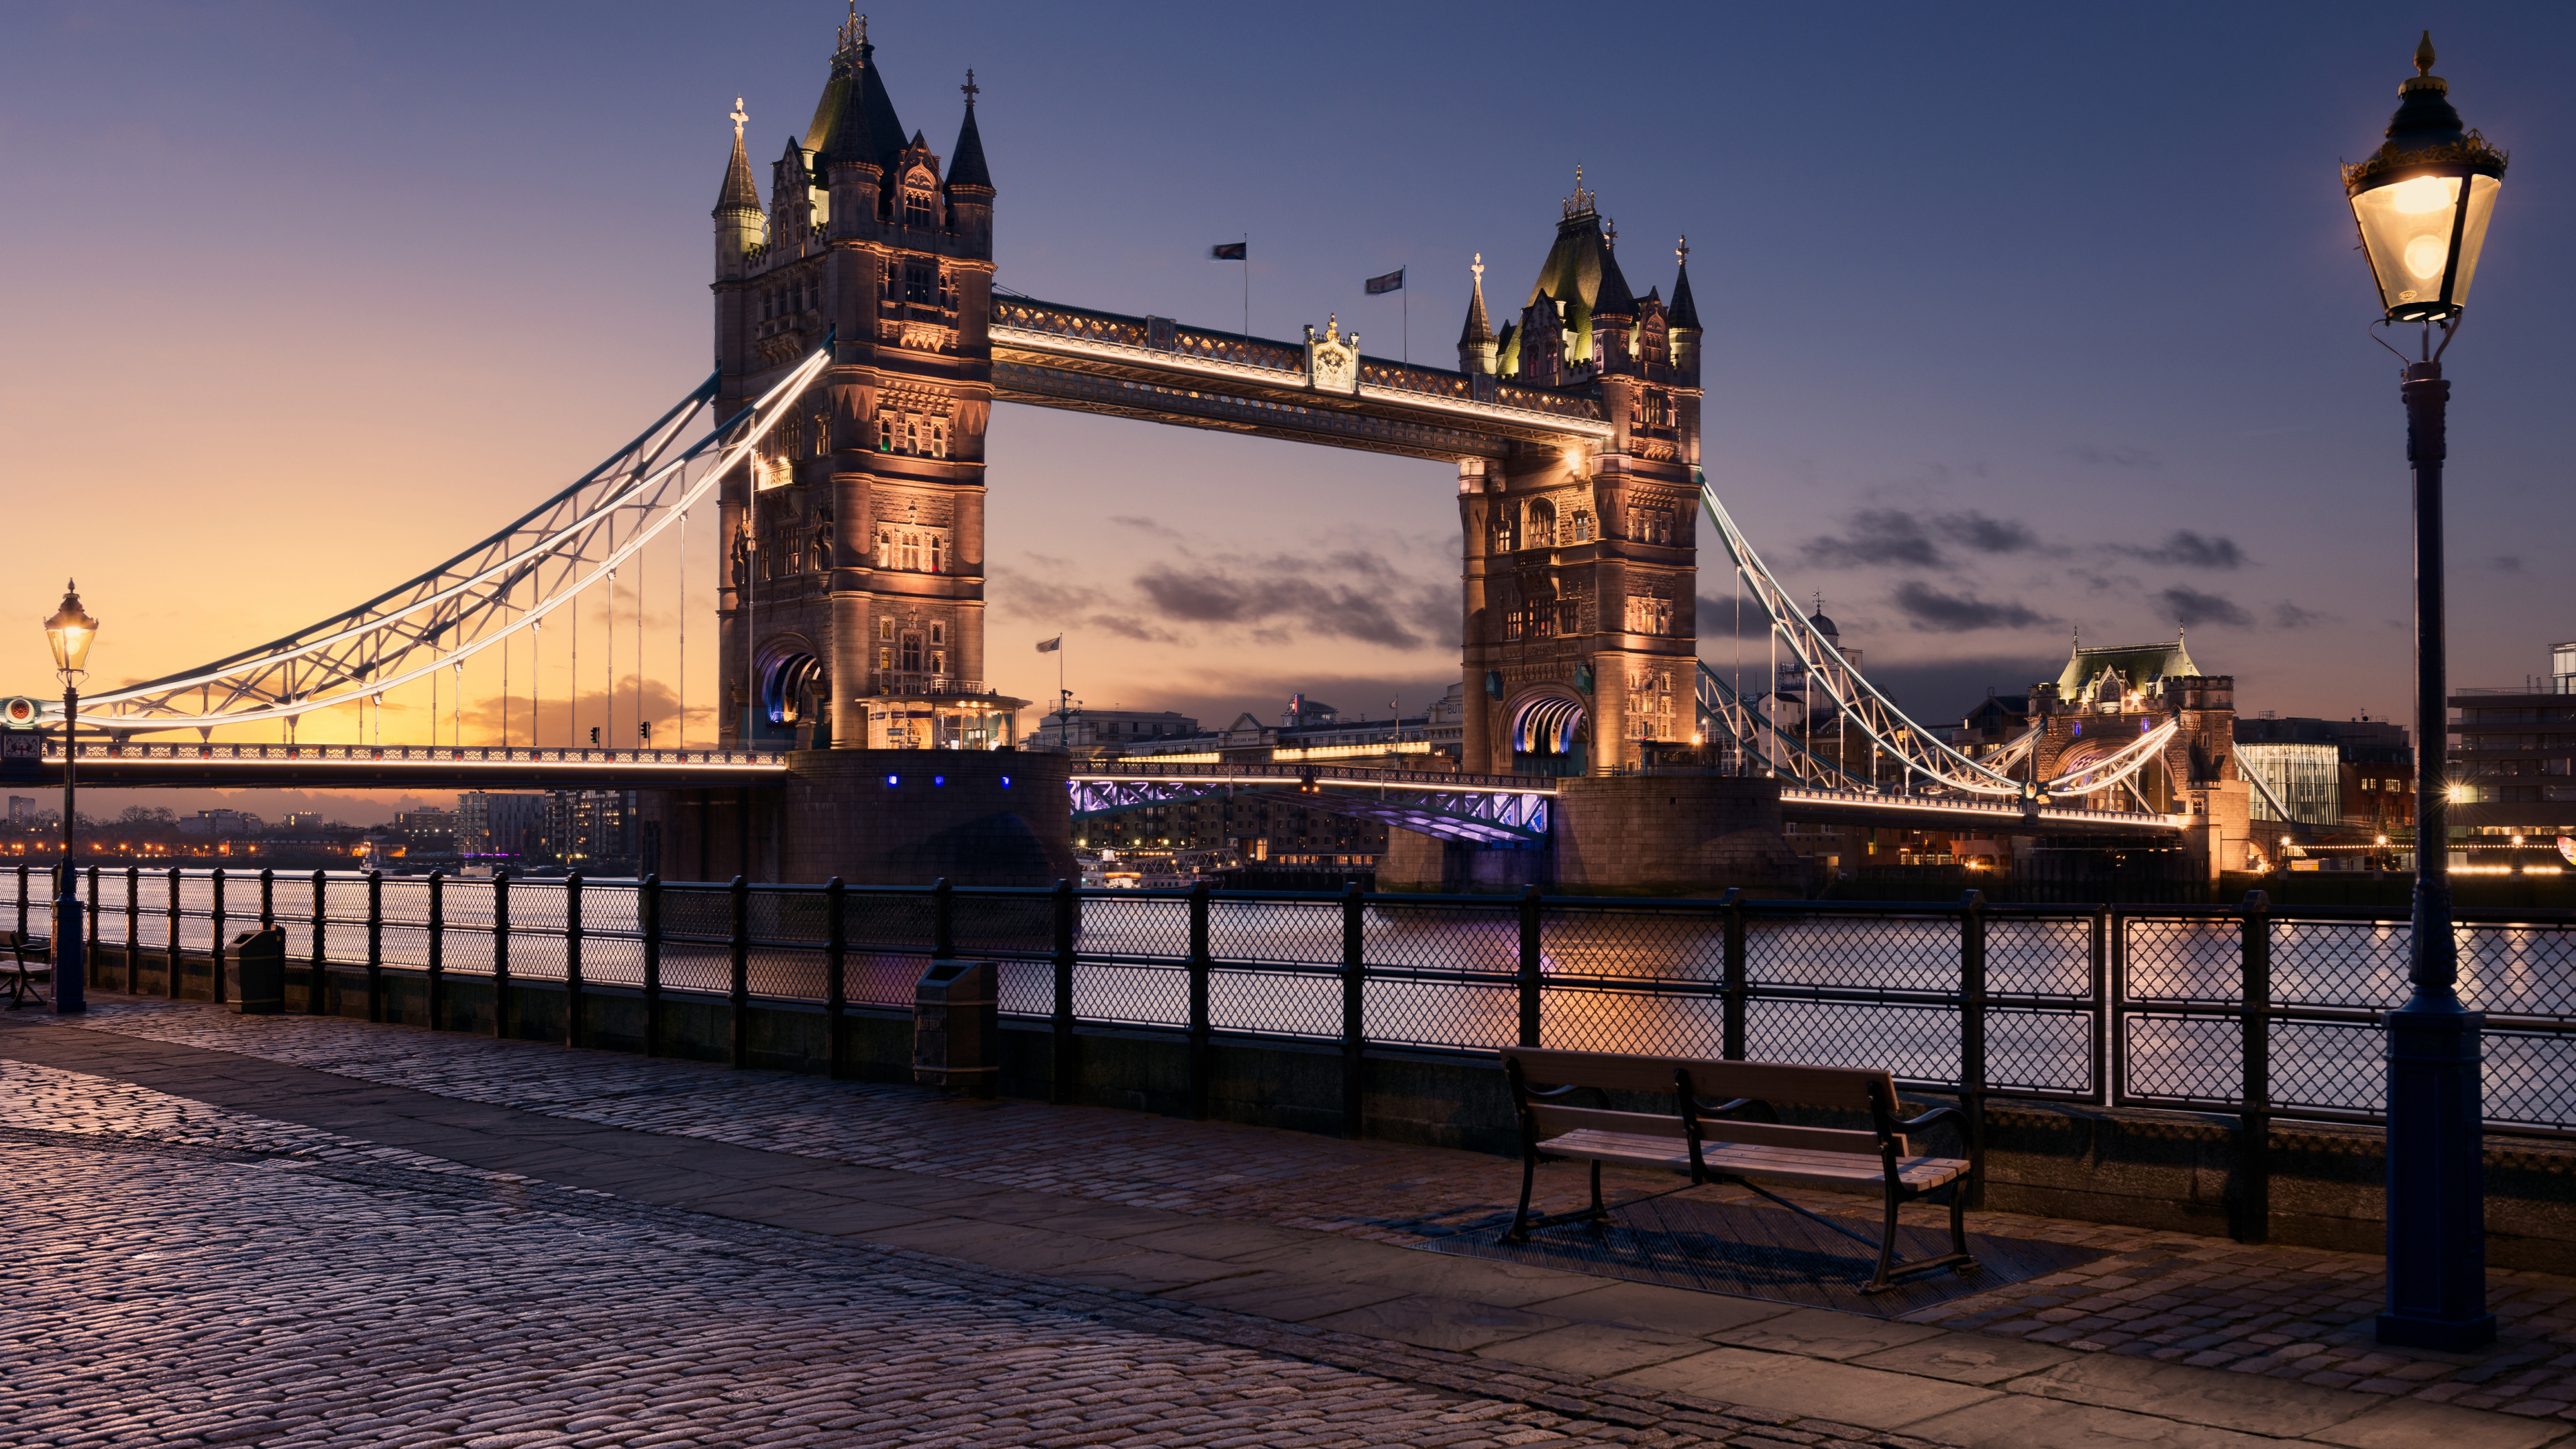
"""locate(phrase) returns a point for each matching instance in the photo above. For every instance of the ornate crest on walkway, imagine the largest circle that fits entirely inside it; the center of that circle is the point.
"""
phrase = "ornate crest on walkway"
(1332, 360)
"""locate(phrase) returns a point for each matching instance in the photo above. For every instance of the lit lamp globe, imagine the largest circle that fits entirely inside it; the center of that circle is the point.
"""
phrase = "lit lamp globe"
(2423, 199)
(70, 632)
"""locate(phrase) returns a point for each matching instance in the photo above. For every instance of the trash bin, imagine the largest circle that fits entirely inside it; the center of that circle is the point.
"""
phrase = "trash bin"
(255, 972)
(957, 1027)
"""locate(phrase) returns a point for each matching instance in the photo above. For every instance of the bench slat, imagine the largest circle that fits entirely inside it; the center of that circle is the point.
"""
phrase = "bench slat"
(1771, 1164)
(1844, 1087)
(1553, 1120)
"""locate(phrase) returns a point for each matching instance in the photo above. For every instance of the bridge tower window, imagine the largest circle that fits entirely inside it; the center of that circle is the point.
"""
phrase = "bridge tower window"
(911, 653)
(885, 432)
(1583, 525)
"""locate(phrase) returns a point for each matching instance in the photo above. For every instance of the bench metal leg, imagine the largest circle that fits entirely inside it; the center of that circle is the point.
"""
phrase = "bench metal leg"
(1523, 1223)
(1957, 1260)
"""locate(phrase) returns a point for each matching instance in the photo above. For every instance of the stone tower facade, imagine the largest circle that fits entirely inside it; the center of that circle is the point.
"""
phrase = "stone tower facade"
(1580, 568)
(852, 582)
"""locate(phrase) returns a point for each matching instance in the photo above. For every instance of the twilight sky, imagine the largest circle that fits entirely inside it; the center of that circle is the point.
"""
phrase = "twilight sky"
(2042, 318)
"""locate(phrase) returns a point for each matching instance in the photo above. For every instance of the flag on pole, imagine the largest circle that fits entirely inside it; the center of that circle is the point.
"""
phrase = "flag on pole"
(1391, 282)
(1230, 252)
(1049, 646)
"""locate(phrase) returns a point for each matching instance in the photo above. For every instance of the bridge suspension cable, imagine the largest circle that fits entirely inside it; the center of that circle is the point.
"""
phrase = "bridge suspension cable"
(1916, 750)
(508, 582)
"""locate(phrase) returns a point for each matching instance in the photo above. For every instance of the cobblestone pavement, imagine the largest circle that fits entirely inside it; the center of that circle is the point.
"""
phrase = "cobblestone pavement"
(181, 1274)
(2290, 1313)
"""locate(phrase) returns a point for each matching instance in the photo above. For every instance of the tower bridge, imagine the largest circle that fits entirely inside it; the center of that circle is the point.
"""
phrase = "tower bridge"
(840, 445)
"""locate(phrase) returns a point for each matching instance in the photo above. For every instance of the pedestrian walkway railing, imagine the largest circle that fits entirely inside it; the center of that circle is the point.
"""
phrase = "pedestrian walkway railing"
(2245, 1010)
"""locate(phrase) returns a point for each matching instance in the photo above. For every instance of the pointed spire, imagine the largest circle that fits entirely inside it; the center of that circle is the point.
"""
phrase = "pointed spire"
(1612, 299)
(853, 140)
(1478, 331)
(739, 193)
(966, 162)
(1681, 313)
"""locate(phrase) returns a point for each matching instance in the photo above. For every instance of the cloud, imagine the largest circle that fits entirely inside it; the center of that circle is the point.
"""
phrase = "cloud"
(1934, 612)
(1876, 537)
(1135, 524)
(2191, 606)
(2291, 616)
(2189, 550)
(1350, 594)
(2119, 455)
(1718, 619)
(2506, 563)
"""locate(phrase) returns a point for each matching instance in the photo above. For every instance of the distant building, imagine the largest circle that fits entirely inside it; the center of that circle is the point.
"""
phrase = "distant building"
(1086, 729)
(221, 824)
(2513, 752)
(590, 830)
(2354, 772)
(301, 820)
(22, 811)
(426, 829)
(492, 823)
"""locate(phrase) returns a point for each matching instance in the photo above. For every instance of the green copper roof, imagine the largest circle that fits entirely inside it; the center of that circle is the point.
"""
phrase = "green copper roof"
(2137, 665)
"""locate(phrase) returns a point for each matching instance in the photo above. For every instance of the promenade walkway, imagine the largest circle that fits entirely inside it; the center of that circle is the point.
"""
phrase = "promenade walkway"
(308, 1231)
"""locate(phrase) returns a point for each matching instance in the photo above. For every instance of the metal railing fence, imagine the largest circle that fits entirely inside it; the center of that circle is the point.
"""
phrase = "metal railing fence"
(2246, 1010)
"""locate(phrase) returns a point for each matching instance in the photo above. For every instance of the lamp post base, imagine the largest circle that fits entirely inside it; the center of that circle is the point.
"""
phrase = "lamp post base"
(2437, 1260)
(71, 993)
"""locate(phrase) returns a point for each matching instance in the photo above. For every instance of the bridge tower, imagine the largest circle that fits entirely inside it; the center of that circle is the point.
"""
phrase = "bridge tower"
(852, 582)
(1579, 567)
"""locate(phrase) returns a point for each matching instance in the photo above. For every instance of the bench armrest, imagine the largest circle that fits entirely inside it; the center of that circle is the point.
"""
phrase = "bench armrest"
(1957, 1119)
(1752, 1108)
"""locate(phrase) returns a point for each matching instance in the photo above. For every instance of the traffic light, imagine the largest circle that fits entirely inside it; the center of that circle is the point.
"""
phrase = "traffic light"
(594, 734)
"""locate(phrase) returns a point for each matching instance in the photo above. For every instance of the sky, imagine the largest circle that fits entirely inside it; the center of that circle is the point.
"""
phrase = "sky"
(2021, 321)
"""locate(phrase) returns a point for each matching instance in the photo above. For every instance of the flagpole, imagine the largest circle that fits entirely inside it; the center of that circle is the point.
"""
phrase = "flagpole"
(1408, 317)
(1247, 286)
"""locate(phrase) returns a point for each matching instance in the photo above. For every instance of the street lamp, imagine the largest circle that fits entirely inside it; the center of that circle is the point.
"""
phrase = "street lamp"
(71, 631)
(2422, 201)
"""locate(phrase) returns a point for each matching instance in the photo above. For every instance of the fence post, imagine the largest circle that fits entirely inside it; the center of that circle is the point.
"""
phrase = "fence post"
(1354, 1009)
(1067, 1074)
(572, 959)
(1529, 977)
(437, 968)
(1972, 1030)
(319, 1002)
(836, 991)
(738, 993)
(215, 941)
(649, 904)
(22, 899)
(1199, 1001)
(943, 920)
(375, 946)
(171, 955)
(1731, 1003)
(133, 928)
(501, 954)
(2253, 1215)
(89, 948)
(2106, 1011)
(267, 898)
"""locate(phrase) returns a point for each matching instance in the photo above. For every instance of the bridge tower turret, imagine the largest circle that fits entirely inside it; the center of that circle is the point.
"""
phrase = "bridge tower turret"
(739, 226)
(1580, 571)
(852, 588)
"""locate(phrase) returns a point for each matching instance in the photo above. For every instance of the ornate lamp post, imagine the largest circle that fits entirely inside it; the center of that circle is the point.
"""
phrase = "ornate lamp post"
(2422, 201)
(70, 631)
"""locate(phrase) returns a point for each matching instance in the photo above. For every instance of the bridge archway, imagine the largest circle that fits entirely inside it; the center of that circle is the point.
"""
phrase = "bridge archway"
(792, 689)
(2154, 783)
(1551, 735)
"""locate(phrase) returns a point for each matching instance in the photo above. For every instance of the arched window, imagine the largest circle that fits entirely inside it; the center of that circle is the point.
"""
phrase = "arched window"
(911, 653)
(912, 436)
(1542, 524)
(885, 432)
(916, 208)
(938, 438)
(934, 567)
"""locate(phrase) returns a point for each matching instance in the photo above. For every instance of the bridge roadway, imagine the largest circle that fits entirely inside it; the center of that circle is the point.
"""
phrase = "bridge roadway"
(1493, 809)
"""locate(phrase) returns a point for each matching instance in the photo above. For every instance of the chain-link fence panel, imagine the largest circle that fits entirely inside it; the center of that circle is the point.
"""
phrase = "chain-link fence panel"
(1132, 926)
(1584, 1016)
(1466, 936)
(1431, 1011)
(2183, 1059)
(1002, 925)
(1132, 994)
(2339, 963)
(2040, 955)
(1028, 988)
(1633, 942)
(1874, 952)
(2516, 970)
(1276, 1003)
(1918, 1043)
(2184, 958)
(2041, 1051)
(1293, 933)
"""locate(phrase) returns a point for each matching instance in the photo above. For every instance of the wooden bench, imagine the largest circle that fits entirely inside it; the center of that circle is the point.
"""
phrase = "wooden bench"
(20, 982)
(1724, 1127)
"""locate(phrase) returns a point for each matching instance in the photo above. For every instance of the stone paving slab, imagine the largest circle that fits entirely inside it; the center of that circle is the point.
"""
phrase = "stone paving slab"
(1430, 1306)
